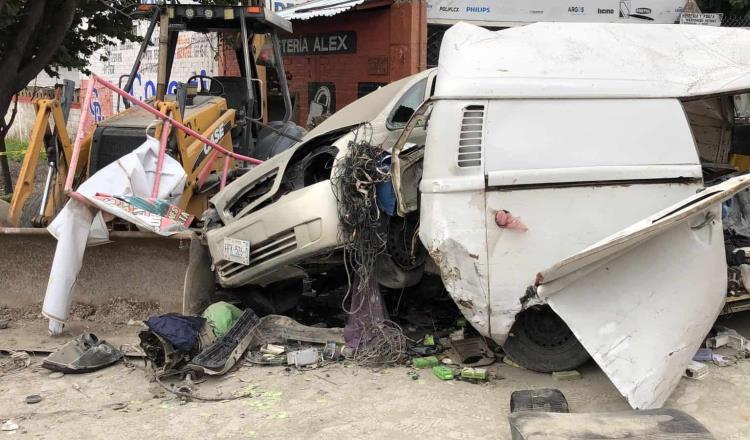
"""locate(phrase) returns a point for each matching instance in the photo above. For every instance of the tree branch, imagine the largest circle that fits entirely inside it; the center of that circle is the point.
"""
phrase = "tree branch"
(26, 29)
(63, 18)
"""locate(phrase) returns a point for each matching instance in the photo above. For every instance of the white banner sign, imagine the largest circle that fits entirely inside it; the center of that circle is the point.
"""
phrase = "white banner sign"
(527, 11)
(704, 19)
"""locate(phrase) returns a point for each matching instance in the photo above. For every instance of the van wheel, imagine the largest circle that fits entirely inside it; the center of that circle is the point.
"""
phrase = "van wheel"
(541, 341)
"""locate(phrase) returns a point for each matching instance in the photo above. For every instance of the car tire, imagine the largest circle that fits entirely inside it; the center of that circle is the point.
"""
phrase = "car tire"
(541, 341)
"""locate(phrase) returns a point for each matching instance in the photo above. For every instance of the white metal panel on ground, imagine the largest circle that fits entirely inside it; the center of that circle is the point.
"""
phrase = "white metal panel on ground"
(599, 60)
(642, 300)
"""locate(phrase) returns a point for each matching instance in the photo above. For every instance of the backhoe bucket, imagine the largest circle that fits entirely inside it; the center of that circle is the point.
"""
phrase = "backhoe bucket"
(137, 266)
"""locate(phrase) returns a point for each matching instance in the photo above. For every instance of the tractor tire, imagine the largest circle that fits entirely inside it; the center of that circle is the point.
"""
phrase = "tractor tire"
(30, 210)
(541, 341)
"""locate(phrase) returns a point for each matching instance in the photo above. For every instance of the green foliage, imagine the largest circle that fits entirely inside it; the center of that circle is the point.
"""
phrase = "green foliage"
(16, 149)
(94, 24)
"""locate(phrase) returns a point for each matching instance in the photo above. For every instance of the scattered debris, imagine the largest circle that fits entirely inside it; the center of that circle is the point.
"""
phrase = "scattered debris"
(181, 331)
(704, 355)
(222, 354)
(473, 352)
(541, 400)
(33, 398)
(696, 370)
(566, 375)
(17, 360)
(83, 354)
(9, 425)
(723, 361)
(474, 373)
(273, 349)
(56, 375)
(4, 323)
(457, 335)
(443, 373)
(730, 338)
(221, 316)
(510, 362)
(303, 358)
(78, 388)
(425, 362)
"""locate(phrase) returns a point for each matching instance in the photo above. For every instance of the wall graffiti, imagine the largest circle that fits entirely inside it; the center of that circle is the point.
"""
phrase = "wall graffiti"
(95, 107)
(195, 54)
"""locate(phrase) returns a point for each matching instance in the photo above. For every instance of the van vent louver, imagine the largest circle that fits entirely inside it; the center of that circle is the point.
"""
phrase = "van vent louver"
(470, 139)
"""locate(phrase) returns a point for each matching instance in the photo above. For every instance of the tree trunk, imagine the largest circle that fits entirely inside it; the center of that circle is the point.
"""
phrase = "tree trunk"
(4, 168)
(4, 128)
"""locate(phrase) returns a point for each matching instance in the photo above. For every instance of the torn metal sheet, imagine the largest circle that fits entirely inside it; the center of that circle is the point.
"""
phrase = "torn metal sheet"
(651, 292)
(456, 242)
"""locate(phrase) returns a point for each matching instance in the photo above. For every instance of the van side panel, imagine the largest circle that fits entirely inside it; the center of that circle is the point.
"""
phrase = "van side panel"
(574, 172)
(452, 223)
(560, 222)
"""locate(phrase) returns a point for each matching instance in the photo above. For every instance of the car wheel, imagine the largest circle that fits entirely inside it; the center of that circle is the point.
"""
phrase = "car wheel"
(541, 341)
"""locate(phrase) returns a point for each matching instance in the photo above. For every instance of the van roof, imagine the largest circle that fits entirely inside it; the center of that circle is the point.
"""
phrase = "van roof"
(593, 60)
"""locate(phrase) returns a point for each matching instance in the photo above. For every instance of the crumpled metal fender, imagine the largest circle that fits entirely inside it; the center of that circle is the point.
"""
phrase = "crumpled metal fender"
(457, 242)
(642, 300)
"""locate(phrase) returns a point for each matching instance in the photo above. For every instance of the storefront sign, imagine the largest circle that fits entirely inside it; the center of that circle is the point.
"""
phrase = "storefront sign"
(529, 11)
(334, 43)
(704, 19)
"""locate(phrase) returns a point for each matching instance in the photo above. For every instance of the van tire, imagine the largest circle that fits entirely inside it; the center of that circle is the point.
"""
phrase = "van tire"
(541, 341)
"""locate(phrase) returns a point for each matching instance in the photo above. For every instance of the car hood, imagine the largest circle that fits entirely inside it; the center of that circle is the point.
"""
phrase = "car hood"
(370, 108)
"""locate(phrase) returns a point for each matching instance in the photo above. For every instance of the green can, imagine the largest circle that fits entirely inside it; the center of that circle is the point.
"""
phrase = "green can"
(442, 372)
(474, 373)
(425, 362)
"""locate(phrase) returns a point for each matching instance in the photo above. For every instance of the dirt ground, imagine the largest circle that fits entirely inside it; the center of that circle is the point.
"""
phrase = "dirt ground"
(335, 402)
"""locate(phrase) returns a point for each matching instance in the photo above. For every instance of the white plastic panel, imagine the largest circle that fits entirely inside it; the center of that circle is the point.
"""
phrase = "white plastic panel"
(585, 140)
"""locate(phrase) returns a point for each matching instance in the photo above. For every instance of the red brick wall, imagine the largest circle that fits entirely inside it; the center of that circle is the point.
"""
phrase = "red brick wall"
(384, 30)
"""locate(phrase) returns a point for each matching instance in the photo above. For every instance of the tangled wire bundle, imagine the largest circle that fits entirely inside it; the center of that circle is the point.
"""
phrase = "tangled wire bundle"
(374, 339)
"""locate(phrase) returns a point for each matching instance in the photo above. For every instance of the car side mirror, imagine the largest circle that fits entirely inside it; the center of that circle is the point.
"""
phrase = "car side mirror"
(402, 114)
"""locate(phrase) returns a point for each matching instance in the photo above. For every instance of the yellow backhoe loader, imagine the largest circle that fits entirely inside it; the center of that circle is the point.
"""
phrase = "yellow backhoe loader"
(230, 111)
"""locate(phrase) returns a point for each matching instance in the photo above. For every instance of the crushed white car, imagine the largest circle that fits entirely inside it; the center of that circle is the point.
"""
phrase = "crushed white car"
(282, 213)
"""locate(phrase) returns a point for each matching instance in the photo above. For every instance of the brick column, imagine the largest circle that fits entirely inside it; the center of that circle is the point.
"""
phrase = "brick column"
(408, 39)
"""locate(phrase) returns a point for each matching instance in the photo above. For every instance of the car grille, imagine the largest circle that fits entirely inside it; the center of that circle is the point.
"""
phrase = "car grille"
(276, 246)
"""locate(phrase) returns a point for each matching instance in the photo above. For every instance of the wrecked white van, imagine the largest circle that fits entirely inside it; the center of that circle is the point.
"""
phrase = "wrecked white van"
(561, 193)
(558, 191)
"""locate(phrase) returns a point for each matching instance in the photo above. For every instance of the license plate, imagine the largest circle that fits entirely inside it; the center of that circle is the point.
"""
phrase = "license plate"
(237, 251)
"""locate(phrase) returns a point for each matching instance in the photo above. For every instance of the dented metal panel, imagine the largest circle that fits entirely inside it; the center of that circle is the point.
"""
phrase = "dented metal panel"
(642, 300)
(560, 221)
(456, 241)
